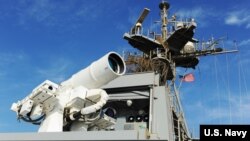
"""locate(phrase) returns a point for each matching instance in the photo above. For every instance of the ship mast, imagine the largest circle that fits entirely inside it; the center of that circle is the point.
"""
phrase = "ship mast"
(164, 52)
(164, 6)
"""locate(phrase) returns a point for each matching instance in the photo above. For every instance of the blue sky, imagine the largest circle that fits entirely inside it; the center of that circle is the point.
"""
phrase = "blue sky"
(42, 39)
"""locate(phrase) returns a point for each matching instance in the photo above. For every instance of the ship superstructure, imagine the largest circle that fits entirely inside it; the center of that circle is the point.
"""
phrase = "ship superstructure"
(101, 103)
(163, 52)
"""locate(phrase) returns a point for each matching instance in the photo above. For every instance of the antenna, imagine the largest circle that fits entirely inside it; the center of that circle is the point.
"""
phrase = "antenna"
(164, 6)
(138, 24)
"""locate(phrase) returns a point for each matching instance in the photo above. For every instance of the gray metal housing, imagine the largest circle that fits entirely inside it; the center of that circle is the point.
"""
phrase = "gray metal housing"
(142, 88)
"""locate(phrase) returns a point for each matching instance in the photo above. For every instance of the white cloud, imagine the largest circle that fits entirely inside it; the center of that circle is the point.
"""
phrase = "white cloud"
(248, 26)
(239, 18)
(204, 112)
(200, 15)
(233, 20)
(57, 14)
(122, 27)
(8, 59)
(235, 107)
(196, 12)
(245, 42)
(56, 71)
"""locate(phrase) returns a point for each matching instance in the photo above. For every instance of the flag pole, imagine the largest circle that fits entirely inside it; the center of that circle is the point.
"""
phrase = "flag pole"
(180, 85)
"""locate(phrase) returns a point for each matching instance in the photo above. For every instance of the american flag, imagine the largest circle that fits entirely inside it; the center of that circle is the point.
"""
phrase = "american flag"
(187, 78)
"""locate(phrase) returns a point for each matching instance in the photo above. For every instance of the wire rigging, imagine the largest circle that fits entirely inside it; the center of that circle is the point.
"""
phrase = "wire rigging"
(244, 78)
(240, 88)
(228, 88)
(217, 85)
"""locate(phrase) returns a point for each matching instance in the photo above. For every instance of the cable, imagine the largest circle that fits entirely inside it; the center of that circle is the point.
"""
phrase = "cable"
(228, 88)
(240, 89)
(35, 121)
(100, 114)
(217, 84)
